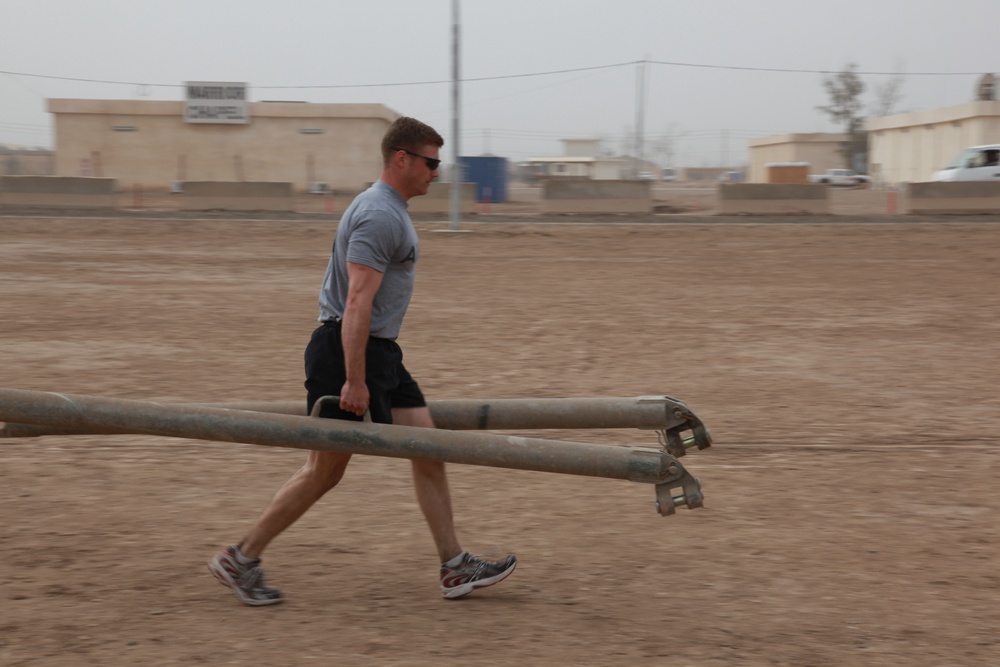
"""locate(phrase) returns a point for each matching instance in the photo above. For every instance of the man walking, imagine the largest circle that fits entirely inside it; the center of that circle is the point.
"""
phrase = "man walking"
(353, 354)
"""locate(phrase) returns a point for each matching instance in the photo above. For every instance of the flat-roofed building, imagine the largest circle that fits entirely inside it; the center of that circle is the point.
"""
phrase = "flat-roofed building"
(149, 143)
(910, 147)
(597, 169)
(821, 150)
(20, 161)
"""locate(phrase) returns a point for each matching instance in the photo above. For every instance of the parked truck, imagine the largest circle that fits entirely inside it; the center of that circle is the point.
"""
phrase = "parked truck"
(847, 177)
(978, 163)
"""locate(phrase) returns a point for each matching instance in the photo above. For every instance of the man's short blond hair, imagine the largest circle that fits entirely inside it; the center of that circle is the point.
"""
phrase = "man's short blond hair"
(408, 133)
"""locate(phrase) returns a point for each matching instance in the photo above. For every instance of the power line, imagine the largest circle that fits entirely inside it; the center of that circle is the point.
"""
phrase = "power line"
(668, 63)
(71, 78)
(808, 71)
(323, 86)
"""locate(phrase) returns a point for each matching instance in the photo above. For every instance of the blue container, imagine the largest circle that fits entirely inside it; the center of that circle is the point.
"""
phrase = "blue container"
(490, 176)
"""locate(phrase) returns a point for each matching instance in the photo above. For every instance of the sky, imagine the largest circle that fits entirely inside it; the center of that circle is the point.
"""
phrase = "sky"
(700, 77)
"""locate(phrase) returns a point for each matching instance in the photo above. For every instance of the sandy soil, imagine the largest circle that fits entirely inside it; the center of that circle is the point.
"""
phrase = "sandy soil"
(847, 371)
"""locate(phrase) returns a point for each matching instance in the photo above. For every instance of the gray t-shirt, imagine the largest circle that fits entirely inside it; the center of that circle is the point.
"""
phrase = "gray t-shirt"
(376, 231)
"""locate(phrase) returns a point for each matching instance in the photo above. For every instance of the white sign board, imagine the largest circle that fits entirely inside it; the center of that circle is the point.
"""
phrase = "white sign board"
(216, 102)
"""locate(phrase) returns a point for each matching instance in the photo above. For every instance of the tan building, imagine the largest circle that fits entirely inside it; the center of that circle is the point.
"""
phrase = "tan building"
(710, 175)
(820, 150)
(15, 161)
(578, 161)
(910, 147)
(581, 147)
(149, 143)
(573, 168)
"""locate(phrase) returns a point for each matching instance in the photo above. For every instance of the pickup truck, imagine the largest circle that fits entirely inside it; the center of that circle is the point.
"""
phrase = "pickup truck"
(839, 177)
(979, 163)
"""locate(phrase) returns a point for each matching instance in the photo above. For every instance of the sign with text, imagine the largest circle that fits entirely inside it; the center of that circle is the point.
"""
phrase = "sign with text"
(216, 102)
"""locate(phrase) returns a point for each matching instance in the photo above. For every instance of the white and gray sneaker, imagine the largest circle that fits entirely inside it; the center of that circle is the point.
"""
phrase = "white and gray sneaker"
(246, 580)
(465, 573)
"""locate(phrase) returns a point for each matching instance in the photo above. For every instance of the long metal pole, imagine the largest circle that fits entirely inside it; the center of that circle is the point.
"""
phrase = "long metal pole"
(642, 412)
(456, 169)
(205, 423)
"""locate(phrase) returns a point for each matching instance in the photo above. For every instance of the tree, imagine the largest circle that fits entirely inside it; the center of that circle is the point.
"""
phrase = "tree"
(887, 96)
(845, 89)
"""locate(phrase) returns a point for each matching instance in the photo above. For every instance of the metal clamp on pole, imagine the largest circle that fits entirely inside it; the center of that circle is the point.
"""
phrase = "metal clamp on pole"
(690, 497)
(680, 420)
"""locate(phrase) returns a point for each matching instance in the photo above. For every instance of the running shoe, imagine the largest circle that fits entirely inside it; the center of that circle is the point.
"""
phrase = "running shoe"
(474, 572)
(246, 581)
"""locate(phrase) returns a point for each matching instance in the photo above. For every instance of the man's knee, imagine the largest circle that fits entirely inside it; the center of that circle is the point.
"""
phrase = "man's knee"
(326, 469)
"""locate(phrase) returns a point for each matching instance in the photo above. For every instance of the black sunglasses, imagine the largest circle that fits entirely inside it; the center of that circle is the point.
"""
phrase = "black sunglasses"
(432, 163)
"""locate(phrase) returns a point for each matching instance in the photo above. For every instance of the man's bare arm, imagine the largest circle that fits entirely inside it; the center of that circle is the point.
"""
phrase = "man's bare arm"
(362, 284)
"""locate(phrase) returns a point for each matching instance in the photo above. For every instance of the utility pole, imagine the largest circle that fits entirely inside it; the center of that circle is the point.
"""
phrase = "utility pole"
(640, 115)
(456, 167)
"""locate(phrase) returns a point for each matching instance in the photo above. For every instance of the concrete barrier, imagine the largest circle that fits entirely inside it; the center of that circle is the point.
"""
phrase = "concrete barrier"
(772, 199)
(588, 196)
(236, 196)
(954, 198)
(438, 199)
(58, 192)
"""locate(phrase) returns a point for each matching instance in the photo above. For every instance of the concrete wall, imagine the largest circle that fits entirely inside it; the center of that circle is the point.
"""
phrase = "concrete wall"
(58, 192)
(597, 197)
(772, 199)
(236, 196)
(438, 199)
(148, 143)
(820, 150)
(910, 147)
(954, 198)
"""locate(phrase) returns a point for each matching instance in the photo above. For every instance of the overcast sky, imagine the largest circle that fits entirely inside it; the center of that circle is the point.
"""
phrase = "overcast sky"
(707, 86)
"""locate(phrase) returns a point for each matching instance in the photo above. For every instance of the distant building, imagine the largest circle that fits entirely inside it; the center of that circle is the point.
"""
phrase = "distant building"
(151, 143)
(580, 161)
(19, 161)
(822, 150)
(710, 174)
(910, 147)
(581, 147)
(547, 168)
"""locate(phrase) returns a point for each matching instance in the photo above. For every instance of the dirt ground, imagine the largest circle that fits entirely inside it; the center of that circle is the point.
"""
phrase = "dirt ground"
(847, 370)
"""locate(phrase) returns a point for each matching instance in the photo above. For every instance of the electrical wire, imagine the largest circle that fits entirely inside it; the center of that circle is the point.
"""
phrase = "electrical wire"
(668, 63)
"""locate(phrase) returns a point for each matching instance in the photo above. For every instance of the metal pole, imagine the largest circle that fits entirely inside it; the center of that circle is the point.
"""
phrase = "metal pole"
(642, 412)
(640, 116)
(205, 423)
(456, 169)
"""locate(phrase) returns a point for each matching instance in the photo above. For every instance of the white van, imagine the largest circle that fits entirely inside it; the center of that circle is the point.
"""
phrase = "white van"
(979, 163)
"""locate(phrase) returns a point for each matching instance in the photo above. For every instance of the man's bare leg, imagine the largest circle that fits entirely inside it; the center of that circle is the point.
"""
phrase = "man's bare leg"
(459, 576)
(321, 472)
(431, 485)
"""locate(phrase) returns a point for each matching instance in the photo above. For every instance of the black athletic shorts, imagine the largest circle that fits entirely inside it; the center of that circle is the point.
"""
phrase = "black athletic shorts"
(389, 383)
